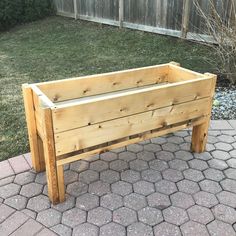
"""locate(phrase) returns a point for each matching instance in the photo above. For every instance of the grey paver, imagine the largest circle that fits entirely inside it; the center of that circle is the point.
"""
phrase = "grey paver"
(222, 155)
(232, 163)
(159, 140)
(146, 156)
(99, 165)
(46, 232)
(151, 175)
(198, 164)
(210, 186)
(111, 201)
(99, 216)
(9, 190)
(77, 188)
(6, 211)
(81, 165)
(49, 217)
(87, 201)
(118, 150)
(109, 176)
(138, 165)
(227, 198)
(62, 230)
(108, 156)
(38, 203)
(29, 213)
(85, 229)
(205, 199)
(175, 215)
(184, 155)
(230, 173)
(31, 189)
(172, 175)
(193, 229)
(194, 175)
(143, 187)
(170, 147)
(122, 188)
(158, 200)
(225, 213)
(66, 205)
(226, 138)
(204, 156)
(73, 217)
(127, 156)
(24, 178)
(88, 176)
(178, 164)
(151, 147)
(182, 200)
(6, 180)
(150, 216)
(41, 178)
(165, 156)
(70, 176)
(135, 148)
(229, 185)
(18, 202)
(119, 165)
(5, 169)
(175, 139)
(99, 188)
(200, 214)
(223, 146)
(219, 228)
(166, 187)
(214, 174)
(217, 164)
(166, 229)
(112, 229)
(130, 176)
(139, 229)
(124, 216)
(135, 201)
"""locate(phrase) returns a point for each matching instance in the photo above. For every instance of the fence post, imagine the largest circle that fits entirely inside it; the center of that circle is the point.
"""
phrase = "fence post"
(185, 18)
(121, 13)
(75, 9)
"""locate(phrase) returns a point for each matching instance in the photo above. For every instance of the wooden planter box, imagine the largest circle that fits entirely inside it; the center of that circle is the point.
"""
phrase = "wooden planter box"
(75, 118)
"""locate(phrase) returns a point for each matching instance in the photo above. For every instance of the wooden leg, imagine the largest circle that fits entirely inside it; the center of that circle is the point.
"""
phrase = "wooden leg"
(35, 147)
(61, 185)
(199, 137)
(50, 157)
(41, 154)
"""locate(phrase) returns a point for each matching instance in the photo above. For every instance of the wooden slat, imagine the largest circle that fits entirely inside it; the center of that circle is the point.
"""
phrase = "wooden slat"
(140, 138)
(103, 83)
(92, 135)
(129, 103)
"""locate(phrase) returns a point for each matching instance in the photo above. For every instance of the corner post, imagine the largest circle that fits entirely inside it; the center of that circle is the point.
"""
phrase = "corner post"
(121, 13)
(185, 18)
(200, 132)
(35, 146)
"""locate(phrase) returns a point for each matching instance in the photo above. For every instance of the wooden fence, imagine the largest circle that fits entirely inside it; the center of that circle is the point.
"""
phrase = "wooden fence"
(177, 18)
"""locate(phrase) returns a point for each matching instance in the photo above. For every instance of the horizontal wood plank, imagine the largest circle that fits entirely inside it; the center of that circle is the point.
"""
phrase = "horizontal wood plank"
(125, 104)
(92, 135)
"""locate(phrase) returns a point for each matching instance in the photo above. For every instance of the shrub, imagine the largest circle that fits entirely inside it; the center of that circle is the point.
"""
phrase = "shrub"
(14, 12)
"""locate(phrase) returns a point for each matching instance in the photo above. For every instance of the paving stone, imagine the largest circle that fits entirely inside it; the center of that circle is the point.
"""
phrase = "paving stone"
(62, 230)
(77, 188)
(178, 164)
(175, 215)
(112, 229)
(84, 165)
(5, 169)
(182, 200)
(87, 201)
(188, 186)
(233, 153)
(158, 200)
(19, 164)
(109, 176)
(194, 175)
(70, 177)
(144, 142)
(225, 213)
(135, 201)
(80, 165)
(223, 146)
(119, 150)
(85, 229)
(99, 188)
(210, 147)
(6, 180)
(165, 156)
(122, 188)
(119, 165)
(138, 165)
(18, 202)
(139, 229)
(6, 211)
(108, 156)
(31, 189)
(66, 205)
(170, 147)
(24, 178)
(151, 147)
(135, 148)
(124, 216)
(150, 216)
(186, 146)
(9, 190)
(130, 176)
(158, 165)
(27, 157)
(127, 156)
(214, 174)
(222, 155)
(172, 175)
(204, 156)
(49, 217)
(151, 175)
(198, 164)
(210, 186)
(182, 133)
(12, 223)
(159, 140)
(227, 198)
(184, 155)
(99, 216)
(175, 139)
(143, 187)
(41, 178)
(29, 213)
(99, 165)
(200, 214)
(220, 124)
(219, 228)
(193, 229)
(217, 164)
(46, 232)
(229, 185)
(111, 201)
(146, 156)
(73, 217)
(205, 199)
(166, 229)
(166, 187)
(88, 176)
(232, 163)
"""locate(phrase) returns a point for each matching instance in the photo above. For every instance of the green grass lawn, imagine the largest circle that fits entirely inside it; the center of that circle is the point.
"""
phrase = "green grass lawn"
(58, 48)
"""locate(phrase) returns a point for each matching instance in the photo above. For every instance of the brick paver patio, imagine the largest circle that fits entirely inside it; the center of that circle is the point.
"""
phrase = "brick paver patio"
(157, 187)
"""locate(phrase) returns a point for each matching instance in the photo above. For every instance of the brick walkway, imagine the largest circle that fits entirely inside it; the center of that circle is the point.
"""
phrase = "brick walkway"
(156, 188)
